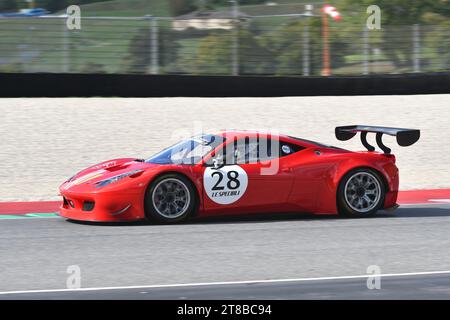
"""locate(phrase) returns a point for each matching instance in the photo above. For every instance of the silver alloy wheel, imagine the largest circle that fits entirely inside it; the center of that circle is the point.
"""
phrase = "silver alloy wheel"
(362, 192)
(171, 198)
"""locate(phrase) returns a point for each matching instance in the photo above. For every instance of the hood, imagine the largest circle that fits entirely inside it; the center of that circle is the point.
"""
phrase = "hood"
(105, 170)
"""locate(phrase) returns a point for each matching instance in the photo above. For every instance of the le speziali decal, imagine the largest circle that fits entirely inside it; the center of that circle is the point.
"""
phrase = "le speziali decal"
(225, 185)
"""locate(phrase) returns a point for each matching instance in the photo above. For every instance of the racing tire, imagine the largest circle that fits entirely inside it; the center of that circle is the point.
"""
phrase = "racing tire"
(361, 193)
(170, 198)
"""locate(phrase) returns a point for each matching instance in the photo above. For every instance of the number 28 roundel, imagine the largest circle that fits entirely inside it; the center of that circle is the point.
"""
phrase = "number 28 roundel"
(225, 185)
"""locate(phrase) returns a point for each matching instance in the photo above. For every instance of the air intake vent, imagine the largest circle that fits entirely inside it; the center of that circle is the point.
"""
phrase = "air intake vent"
(88, 205)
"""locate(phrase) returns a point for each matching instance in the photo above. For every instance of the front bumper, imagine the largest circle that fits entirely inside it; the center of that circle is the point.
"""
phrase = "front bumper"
(104, 207)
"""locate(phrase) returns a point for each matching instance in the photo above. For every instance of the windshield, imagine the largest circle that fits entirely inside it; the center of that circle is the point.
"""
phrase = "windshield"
(190, 151)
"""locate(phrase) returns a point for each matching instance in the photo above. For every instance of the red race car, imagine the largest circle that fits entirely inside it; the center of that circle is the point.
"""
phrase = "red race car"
(240, 172)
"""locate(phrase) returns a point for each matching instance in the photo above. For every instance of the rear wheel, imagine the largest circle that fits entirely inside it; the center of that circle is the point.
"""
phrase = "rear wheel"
(170, 198)
(361, 193)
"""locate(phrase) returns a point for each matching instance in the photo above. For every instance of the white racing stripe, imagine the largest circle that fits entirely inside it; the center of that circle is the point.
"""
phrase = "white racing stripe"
(199, 284)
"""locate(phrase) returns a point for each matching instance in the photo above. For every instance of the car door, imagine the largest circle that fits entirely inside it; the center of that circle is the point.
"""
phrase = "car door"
(251, 179)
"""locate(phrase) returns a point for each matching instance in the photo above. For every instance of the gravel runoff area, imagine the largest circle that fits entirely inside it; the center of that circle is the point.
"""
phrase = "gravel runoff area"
(43, 141)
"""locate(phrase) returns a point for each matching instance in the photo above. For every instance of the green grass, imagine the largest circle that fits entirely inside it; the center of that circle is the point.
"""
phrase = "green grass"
(282, 7)
(123, 8)
(38, 45)
(42, 45)
(126, 8)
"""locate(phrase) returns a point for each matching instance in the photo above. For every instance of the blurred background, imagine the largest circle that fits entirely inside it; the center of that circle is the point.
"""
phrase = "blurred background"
(208, 37)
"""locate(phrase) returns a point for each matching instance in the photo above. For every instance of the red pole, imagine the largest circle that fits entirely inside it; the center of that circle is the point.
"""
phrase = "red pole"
(326, 71)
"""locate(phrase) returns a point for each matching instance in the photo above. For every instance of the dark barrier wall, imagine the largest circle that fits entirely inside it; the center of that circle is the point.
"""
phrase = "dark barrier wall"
(114, 85)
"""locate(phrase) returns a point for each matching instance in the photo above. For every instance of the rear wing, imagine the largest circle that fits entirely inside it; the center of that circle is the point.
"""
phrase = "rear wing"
(405, 137)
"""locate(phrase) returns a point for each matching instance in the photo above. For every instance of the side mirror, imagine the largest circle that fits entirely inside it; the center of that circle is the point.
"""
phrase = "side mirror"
(218, 162)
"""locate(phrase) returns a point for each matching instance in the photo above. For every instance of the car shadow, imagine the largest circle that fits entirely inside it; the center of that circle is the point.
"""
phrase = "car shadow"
(424, 211)
(262, 217)
(111, 224)
(419, 211)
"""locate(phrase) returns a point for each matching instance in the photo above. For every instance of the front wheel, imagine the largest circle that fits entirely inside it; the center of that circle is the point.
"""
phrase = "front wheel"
(170, 198)
(361, 193)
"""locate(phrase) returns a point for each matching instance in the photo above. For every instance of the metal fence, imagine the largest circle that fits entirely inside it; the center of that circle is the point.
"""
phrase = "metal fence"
(262, 45)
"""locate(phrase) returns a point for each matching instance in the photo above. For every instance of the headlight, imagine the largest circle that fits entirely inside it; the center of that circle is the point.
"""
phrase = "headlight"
(71, 178)
(105, 182)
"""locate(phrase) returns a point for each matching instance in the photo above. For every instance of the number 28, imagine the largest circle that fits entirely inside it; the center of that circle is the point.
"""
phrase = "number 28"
(232, 183)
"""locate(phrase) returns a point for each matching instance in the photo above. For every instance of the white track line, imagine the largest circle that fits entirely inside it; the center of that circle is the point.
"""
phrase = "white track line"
(422, 204)
(440, 200)
(228, 283)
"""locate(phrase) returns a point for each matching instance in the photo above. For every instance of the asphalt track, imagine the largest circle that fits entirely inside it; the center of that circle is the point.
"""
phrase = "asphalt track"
(36, 252)
(435, 287)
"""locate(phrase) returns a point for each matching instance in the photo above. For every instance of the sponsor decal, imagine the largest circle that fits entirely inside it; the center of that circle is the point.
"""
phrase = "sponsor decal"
(84, 178)
(286, 149)
(225, 185)
(105, 165)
